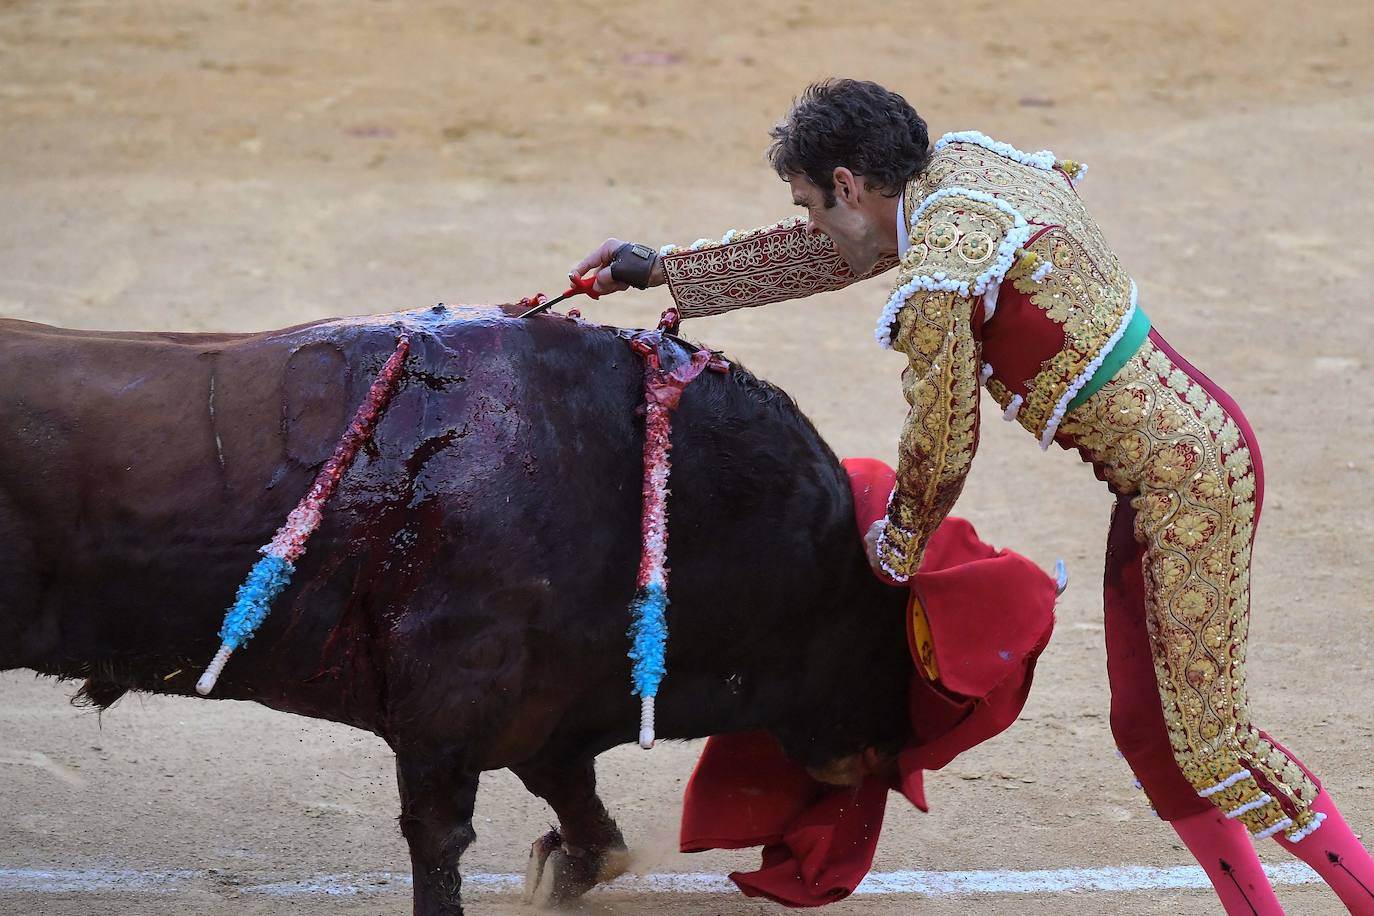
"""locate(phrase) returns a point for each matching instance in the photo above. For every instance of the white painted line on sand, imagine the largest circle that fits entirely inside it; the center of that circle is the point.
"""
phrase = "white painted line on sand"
(1112, 879)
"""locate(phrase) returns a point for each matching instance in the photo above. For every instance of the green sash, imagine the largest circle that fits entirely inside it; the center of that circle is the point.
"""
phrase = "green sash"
(1125, 348)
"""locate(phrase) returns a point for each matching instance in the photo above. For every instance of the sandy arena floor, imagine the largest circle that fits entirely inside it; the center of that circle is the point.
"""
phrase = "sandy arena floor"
(206, 165)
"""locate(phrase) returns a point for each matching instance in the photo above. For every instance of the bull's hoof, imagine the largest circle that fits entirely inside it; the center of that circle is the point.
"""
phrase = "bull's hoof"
(558, 875)
(540, 851)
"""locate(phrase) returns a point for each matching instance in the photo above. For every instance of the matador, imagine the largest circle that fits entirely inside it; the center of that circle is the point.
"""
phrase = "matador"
(1004, 281)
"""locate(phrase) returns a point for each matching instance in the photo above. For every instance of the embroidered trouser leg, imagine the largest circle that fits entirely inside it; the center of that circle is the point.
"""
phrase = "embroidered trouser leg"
(1173, 443)
(1137, 717)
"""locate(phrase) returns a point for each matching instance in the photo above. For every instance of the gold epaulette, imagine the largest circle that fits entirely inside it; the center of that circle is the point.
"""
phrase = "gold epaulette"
(963, 241)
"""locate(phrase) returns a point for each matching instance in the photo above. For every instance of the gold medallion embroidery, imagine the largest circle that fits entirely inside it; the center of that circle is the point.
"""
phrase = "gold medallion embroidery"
(942, 236)
(976, 247)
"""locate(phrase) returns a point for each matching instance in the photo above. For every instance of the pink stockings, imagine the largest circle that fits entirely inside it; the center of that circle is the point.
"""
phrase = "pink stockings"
(1223, 848)
(1335, 853)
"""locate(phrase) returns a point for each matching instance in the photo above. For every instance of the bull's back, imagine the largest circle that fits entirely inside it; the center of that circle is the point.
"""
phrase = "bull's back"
(173, 432)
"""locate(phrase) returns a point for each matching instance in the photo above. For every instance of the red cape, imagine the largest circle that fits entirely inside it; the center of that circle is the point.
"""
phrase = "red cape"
(989, 616)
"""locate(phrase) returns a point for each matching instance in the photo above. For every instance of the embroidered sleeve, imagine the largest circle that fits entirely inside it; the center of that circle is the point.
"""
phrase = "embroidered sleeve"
(765, 265)
(940, 436)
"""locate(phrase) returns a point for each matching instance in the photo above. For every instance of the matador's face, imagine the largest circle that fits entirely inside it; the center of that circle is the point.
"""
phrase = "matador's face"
(852, 222)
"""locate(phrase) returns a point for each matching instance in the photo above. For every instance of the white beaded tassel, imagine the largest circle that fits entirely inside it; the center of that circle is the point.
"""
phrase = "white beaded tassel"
(1307, 831)
(213, 670)
(646, 722)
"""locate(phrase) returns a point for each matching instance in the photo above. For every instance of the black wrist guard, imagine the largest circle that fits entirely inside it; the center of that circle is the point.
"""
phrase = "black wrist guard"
(633, 264)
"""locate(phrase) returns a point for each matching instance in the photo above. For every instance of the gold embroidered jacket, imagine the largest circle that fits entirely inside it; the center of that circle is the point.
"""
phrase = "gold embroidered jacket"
(1005, 280)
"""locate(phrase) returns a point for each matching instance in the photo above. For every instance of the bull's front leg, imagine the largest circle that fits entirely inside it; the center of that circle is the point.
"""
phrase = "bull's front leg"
(28, 637)
(437, 798)
(586, 849)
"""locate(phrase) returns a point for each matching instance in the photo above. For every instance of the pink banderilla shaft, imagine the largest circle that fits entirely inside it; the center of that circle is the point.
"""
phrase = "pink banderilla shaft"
(270, 575)
(289, 542)
(649, 622)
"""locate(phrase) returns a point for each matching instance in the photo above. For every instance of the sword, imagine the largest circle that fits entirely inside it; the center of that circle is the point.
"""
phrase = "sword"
(579, 286)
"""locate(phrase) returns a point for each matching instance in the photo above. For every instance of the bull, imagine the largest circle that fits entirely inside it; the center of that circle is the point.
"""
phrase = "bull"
(465, 598)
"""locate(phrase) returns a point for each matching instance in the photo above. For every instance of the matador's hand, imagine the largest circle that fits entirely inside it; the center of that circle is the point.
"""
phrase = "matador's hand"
(620, 265)
(871, 536)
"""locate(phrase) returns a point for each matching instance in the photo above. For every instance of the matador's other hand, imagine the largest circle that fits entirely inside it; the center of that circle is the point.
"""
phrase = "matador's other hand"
(620, 265)
(871, 536)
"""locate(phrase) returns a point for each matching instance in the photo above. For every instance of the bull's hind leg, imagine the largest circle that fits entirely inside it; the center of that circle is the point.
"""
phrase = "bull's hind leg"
(437, 798)
(585, 849)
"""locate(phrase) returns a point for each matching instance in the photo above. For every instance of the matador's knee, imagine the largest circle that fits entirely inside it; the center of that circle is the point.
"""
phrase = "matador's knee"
(1138, 729)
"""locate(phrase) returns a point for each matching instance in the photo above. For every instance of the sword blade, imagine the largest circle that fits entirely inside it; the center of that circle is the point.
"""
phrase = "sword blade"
(545, 306)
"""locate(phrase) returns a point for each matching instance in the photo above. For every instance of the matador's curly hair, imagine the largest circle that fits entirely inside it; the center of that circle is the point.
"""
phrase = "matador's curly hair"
(872, 131)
